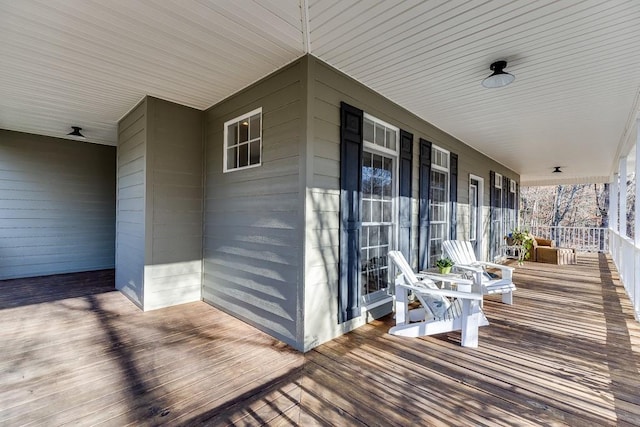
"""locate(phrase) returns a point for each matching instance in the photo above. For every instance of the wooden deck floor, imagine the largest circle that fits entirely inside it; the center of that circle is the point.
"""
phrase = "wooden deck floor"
(72, 351)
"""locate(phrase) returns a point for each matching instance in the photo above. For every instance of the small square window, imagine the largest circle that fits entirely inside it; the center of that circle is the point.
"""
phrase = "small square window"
(243, 141)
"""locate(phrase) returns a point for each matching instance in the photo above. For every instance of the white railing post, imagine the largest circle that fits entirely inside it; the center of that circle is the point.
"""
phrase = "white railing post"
(614, 199)
(622, 213)
(636, 228)
(636, 223)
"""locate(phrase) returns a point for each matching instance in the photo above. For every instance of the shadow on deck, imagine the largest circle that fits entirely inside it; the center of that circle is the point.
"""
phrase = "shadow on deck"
(566, 353)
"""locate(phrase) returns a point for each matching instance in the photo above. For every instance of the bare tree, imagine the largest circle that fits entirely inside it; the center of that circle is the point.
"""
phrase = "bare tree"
(602, 204)
(563, 202)
(567, 205)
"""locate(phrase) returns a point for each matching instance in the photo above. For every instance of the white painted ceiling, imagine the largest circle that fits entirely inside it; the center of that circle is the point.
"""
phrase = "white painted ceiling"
(573, 104)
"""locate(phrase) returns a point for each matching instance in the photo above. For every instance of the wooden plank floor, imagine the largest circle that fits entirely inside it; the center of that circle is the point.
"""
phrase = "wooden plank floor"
(72, 351)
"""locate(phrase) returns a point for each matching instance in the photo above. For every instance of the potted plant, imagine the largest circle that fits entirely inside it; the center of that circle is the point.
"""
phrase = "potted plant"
(524, 240)
(444, 265)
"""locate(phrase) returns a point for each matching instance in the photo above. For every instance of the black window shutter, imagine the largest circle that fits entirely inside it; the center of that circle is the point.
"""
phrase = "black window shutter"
(506, 204)
(453, 194)
(350, 226)
(493, 203)
(424, 183)
(406, 161)
(505, 195)
(517, 204)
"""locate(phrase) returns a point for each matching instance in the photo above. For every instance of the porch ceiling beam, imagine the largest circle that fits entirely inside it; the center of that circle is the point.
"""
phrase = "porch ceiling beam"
(628, 138)
(306, 32)
(542, 182)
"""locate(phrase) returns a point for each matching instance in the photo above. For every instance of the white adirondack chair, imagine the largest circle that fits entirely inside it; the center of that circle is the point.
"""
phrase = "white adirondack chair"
(443, 310)
(462, 254)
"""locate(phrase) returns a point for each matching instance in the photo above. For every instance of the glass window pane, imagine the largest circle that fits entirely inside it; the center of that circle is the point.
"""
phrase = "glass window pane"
(377, 163)
(244, 130)
(254, 153)
(368, 130)
(366, 182)
(254, 126)
(364, 259)
(243, 155)
(376, 212)
(366, 211)
(374, 236)
(384, 235)
(232, 135)
(391, 139)
(232, 157)
(386, 216)
(379, 137)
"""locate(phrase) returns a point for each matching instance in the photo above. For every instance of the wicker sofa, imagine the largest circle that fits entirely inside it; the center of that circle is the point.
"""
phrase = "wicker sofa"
(545, 250)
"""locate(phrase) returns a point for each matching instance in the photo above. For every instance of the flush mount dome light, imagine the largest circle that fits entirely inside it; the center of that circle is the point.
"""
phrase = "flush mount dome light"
(499, 78)
(556, 169)
(76, 132)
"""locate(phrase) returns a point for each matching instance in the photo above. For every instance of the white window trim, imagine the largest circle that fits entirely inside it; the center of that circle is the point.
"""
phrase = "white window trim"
(512, 186)
(447, 203)
(498, 181)
(442, 168)
(378, 298)
(480, 249)
(226, 133)
(379, 148)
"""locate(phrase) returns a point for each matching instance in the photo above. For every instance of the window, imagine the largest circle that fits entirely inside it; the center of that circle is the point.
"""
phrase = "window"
(497, 217)
(243, 141)
(379, 133)
(378, 206)
(439, 207)
(473, 214)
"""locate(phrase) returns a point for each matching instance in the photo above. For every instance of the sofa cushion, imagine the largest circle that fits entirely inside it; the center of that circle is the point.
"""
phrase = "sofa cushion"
(544, 242)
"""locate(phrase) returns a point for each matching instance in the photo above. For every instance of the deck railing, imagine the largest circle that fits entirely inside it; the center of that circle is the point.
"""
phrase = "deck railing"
(626, 256)
(583, 239)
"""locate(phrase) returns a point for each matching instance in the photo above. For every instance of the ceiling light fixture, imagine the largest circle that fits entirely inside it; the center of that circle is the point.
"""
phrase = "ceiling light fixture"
(499, 78)
(76, 132)
(556, 169)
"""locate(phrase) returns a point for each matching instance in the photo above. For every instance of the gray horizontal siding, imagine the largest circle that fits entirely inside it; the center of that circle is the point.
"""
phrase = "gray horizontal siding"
(57, 209)
(173, 272)
(327, 88)
(130, 222)
(252, 251)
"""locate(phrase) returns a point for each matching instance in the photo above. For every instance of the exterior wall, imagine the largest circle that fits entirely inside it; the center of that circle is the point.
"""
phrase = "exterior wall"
(253, 224)
(326, 89)
(476, 163)
(159, 246)
(130, 218)
(173, 261)
(57, 205)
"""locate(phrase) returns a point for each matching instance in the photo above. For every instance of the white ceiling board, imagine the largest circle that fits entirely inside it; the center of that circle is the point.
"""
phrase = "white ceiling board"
(577, 66)
(86, 63)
